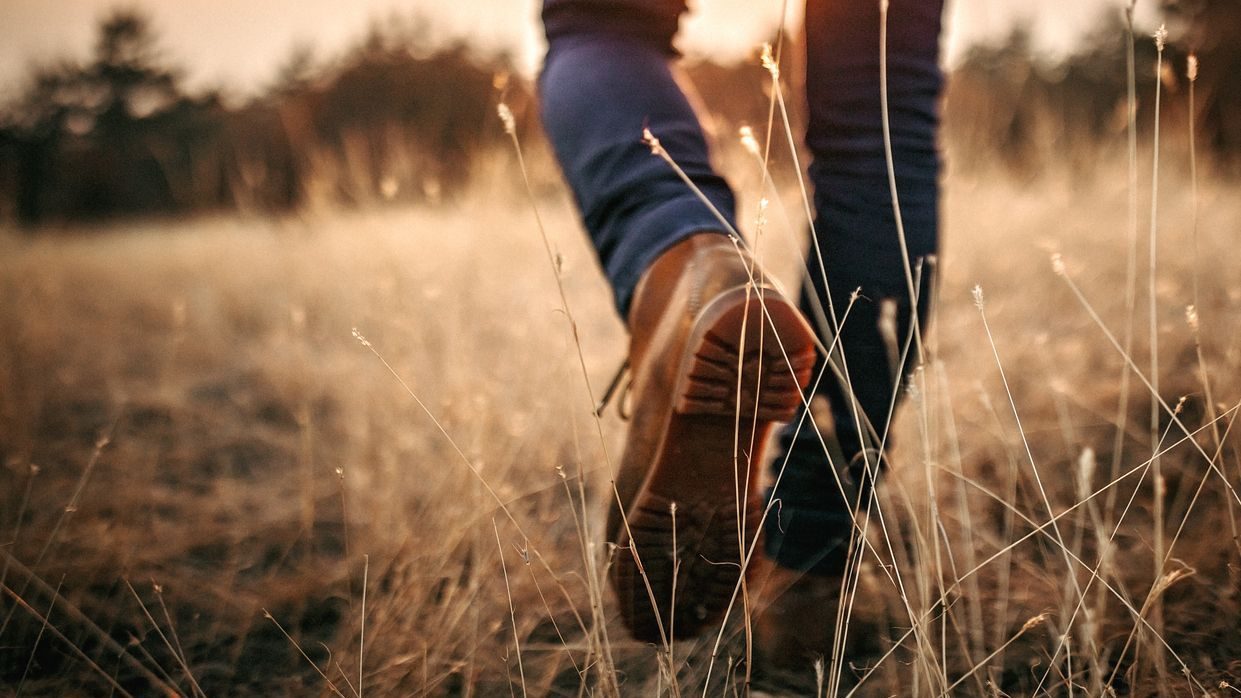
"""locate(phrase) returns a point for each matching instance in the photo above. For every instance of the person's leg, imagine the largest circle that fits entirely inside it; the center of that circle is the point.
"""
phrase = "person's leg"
(860, 246)
(808, 535)
(700, 331)
(607, 75)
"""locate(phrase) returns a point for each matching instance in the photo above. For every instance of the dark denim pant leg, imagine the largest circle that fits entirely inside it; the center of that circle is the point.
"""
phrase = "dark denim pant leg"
(860, 247)
(607, 76)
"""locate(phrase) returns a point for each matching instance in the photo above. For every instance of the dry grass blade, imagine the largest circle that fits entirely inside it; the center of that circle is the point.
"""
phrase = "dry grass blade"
(512, 611)
(180, 657)
(331, 686)
(20, 602)
(101, 443)
(594, 582)
(31, 579)
(366, 570)
(1061, 271)
(1026, 627)
(38, 638)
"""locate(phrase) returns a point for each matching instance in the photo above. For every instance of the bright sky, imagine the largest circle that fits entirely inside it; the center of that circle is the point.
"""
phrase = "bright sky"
(241, 42)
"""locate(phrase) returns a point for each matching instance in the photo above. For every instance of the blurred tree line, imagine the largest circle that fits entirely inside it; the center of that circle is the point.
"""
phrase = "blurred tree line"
(1004, 105)
(120, 135)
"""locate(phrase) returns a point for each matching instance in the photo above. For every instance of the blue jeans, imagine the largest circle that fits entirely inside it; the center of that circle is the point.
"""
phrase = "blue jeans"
(607, 76)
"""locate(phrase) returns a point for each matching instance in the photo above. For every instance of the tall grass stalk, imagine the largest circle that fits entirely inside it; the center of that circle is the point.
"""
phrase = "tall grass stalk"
(838, 363)
(1191, 75)
(1157, 469)
(1194, 313)
(917, 375)
(1167, 409)
(172, 630)
(1025, 628)
(102, 442)
(34, 648)
(741, 466)
(673, 685)
(512, 613)
(185, 668)
(1080, 605)
(344, 522)
(1036, 529)
(891, 168)
(773, 69)
(595, 577)
(658, 150)
(77, 616)
(608, 675)
(32, 471)
(973, 595)
(106, 676)
(1041, 529)
(838, 366)
(767, 512)
(331, 686)
(1034, 469)
(827, 319)
(366, 571)
(1131, 260)
(858, 538)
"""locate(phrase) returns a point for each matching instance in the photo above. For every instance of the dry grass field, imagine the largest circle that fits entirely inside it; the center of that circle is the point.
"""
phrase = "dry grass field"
(211, 486)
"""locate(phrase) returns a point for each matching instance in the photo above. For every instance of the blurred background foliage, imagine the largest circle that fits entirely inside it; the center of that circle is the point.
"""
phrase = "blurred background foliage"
(119, 135)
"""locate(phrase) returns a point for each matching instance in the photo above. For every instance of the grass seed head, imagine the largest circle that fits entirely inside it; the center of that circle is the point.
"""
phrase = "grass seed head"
(748, 141)
(1034, 622)
(1086, 463)
(760, 219)
(506, 116)
(769, 62)
(649, 139)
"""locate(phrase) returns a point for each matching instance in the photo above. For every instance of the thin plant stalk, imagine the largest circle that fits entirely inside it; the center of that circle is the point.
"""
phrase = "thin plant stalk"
(512, 612)
(38, 638)
(366, 569)
(1156, 467)
(510, 127)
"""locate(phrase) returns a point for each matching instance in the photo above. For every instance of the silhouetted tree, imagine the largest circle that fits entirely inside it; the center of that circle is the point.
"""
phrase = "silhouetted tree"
(84, 130)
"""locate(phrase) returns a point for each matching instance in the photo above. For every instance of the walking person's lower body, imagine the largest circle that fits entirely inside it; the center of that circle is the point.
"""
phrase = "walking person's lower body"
(703, 323)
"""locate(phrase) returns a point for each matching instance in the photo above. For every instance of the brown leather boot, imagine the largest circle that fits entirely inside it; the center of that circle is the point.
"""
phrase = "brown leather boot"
(699, 331)
(794, 625)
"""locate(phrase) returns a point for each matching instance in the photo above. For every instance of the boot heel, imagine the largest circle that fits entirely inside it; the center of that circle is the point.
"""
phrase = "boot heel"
(765, 382)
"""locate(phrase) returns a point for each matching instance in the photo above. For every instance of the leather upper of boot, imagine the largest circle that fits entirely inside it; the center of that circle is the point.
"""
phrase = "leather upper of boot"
(667, 301)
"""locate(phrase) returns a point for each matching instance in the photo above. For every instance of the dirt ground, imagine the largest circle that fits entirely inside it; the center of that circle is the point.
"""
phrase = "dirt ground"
(211, 484)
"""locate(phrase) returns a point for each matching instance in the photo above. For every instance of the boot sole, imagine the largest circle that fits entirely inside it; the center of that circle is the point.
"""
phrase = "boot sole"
(684, 519)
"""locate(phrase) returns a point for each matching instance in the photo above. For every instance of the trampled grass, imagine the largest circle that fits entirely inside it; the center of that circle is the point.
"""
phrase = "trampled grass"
(205, 471)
